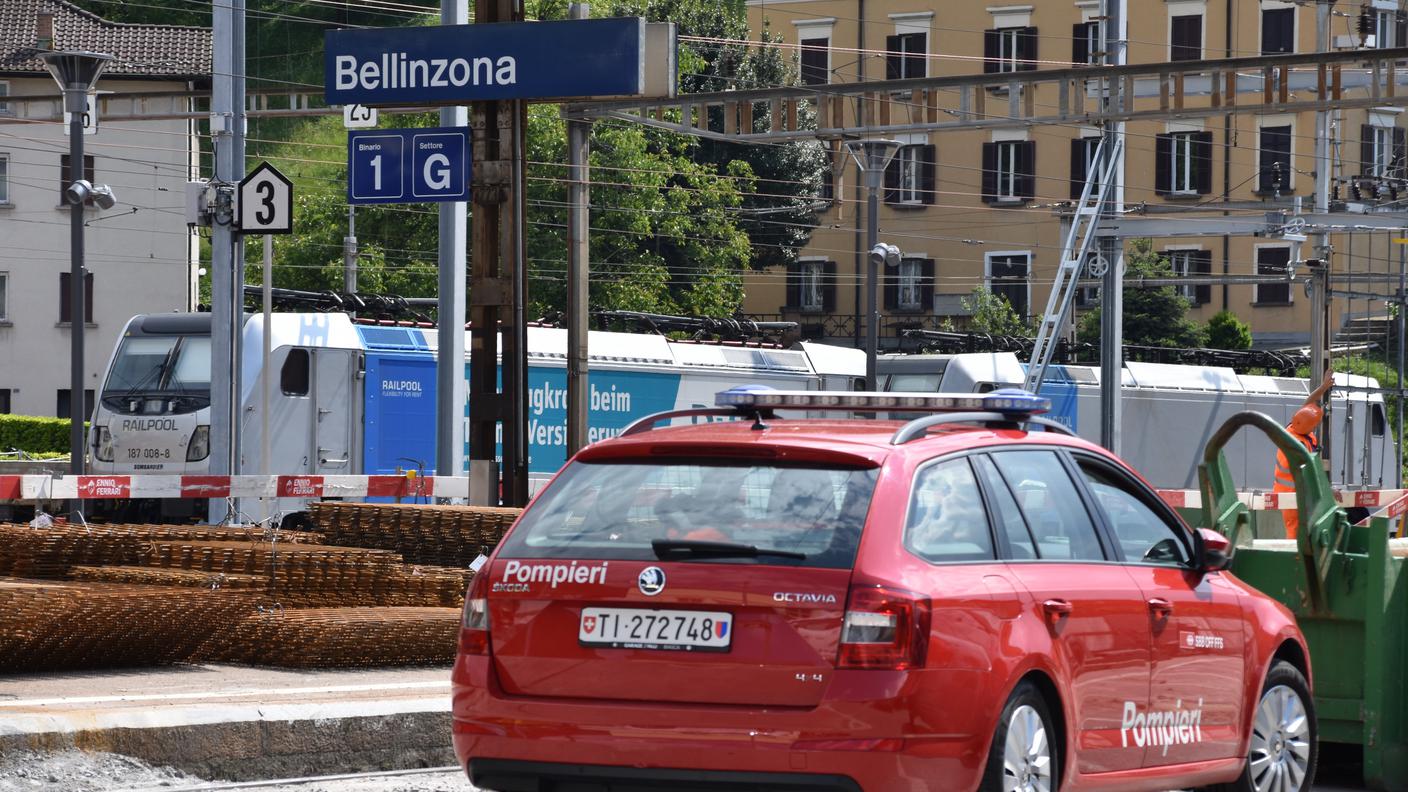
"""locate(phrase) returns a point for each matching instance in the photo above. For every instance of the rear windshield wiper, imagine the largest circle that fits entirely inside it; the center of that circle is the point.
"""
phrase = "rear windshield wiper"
(680, 549)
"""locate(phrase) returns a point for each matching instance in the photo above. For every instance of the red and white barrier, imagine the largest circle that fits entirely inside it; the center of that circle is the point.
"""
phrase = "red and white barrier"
(1272, 501)
(42, 487)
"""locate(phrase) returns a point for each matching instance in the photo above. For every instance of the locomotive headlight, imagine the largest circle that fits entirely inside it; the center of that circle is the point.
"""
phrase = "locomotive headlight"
(102, 444)
(199, 447)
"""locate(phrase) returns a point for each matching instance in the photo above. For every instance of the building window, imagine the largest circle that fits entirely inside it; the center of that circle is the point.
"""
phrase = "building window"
(905, 56)
(65, 314)
(1274, 160)
(1185, 37)
(5, 108)
(63, 404)
(1381, 151)
(4, 178)
(1083, 166)
(4, 401)
(1009, 171)
(811, 286)
(1007, 277)
(910, 285)
(65, 181)
(1191, 263)
(1390, 28)
(1273, 261)
(1278, 30)
(816, 61)
(909, 178)
(4, 296)
(1009, 49)
(1183, 163)
(1085, 43)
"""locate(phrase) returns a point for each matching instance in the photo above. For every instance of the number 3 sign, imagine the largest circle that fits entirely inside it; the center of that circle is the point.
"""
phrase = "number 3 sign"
(266, 202)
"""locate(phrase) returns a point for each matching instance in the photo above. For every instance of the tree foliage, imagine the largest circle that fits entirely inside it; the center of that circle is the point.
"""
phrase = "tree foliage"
(1153, 315)
(992, 313)
(1226, 331)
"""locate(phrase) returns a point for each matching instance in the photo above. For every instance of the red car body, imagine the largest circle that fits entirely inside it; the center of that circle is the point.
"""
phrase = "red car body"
(1151, 671)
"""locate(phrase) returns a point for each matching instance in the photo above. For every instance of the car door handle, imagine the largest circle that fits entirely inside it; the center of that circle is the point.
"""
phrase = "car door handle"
(1160, 606)
(1056, 607)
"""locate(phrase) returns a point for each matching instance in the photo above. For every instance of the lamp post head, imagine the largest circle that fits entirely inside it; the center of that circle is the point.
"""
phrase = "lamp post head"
(872, 154)
(76, 72)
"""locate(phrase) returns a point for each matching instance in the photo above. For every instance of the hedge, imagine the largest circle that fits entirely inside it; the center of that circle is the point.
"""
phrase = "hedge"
(33, 434)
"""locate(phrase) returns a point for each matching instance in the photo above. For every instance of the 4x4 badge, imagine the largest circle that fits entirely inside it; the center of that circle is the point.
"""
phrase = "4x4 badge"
(651, 581)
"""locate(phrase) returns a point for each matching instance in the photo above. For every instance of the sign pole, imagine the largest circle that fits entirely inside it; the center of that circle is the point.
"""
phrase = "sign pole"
(265, 397)
(450, 396)
(223, 100)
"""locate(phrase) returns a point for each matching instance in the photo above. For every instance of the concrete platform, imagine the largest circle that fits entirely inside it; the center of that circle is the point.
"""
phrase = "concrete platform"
(237, 723)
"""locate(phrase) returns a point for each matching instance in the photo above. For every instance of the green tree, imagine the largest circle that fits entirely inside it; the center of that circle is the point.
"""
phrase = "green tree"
(1153, 315)
(992, 313)
(1226, 331)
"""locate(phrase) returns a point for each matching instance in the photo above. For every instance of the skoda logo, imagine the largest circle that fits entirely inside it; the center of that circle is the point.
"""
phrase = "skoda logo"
(651, 581)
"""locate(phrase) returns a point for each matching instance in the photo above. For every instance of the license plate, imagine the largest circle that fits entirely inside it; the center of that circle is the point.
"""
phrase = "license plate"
(633, 628)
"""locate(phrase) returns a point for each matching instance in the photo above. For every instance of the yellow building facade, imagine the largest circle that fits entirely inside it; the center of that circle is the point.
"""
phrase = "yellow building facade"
(979, 208)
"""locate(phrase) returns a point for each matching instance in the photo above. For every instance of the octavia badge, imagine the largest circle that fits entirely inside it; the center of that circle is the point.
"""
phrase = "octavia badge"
(651, 581)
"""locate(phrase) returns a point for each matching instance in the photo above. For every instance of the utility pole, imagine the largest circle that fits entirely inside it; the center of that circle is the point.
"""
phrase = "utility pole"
(449, 363)
(579, 132)
(225, 262)
(1112, 39)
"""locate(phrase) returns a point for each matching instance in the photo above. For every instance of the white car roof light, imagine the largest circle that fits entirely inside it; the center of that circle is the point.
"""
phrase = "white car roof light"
(1012, 402)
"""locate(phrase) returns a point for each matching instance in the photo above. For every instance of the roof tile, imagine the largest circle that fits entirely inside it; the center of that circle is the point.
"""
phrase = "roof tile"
(139, 50)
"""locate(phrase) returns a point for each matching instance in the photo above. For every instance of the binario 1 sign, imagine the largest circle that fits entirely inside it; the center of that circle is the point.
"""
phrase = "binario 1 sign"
(407, 165)
(462, 63)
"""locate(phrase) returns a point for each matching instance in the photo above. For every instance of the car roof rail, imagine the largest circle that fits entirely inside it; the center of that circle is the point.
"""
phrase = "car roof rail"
(648, 422)
(918, 427)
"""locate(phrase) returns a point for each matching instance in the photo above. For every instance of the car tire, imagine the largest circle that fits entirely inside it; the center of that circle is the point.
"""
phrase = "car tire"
(1025, 751)
(1285, 737)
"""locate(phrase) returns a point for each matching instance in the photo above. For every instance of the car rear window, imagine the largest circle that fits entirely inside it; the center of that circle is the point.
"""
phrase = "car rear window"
(616, 509)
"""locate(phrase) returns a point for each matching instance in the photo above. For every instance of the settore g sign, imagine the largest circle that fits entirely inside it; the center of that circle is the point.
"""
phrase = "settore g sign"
(408, 165)
(454, 64)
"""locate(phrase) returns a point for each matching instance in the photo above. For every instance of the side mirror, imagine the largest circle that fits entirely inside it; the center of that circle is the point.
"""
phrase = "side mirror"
(1215, 547)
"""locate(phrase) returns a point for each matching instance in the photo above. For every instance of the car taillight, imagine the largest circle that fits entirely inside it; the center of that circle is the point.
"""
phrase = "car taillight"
(884, 628)
(474, 623)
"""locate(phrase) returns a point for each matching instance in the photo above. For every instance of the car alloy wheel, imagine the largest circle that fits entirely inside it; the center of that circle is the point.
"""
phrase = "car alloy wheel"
(1026, 757)
(1281, 742)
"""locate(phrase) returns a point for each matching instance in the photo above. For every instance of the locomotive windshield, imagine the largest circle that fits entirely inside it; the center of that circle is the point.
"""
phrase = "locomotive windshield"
(159, 375)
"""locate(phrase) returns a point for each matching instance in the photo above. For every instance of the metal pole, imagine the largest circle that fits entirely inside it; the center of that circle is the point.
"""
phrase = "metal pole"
(76, 102)
(872, 275)
(1320, 277)
(266, 457)
(1112, 249)
(578, 277)
(222, 260)
(515, 350)
(1402, 327)
(450, 398)
(349, 253)
(237, 104)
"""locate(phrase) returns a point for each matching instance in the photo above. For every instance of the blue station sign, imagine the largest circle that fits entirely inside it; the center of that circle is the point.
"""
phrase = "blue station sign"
(407, 165)
(454, 64)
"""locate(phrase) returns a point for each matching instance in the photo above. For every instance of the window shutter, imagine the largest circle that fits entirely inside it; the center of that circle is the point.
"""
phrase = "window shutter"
(1080, 45)
(926, 285)
(992, 51)
(892, 180)
(1366, 149)
(894, 57)
(989, 172)
(1200, 263)
(828, 287)
(1399, 152)
(1026, 169)
(928, 173)
(1400, 29)
(1202, 162)
(794, 287)
(891, 279)
(1078, 172)
(1163, 153)
(65, 312)
(1026, 49)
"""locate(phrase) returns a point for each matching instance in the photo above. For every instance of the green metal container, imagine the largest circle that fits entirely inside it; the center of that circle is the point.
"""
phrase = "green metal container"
(1347, 588)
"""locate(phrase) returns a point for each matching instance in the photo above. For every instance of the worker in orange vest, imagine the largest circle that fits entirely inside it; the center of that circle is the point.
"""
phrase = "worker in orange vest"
(1302, 425)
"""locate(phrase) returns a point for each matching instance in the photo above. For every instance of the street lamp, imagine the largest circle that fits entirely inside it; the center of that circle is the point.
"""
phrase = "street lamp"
(76, 73)
(872, 156)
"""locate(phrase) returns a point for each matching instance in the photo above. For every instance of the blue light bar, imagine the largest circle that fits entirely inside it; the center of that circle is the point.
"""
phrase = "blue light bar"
(1012, 401)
